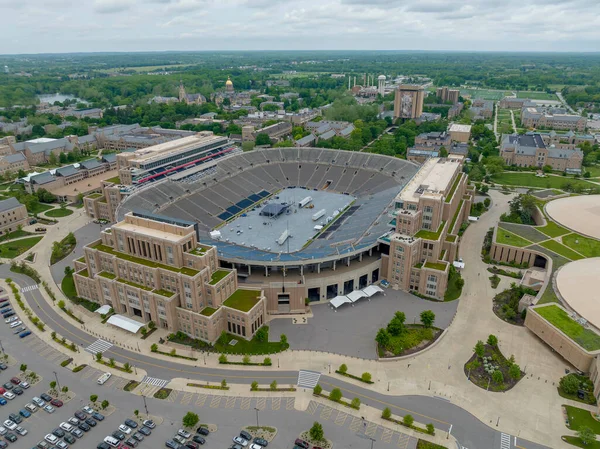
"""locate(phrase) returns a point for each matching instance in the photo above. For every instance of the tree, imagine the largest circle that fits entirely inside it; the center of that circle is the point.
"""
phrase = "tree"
(223, 384)
(316, 432)
(68, 271)
(111, 362)
(104, 404)
(61, 304)
(246, 360)
(396, 326)
(262, 139)
(53, 385)
(479, 348)
(335, 394)
(430, 429)
(586, 435)
(144, 331)
(151, 325)
(408, 420)
(443, 151)
(127, 367)
(222, 358)
(267, 361)
(262, 335)
(355, 403)
(65, 389)
(569, 384)
(190, 420)
(382, 338)
(23, 367)
(427, 318)
(283, 340)
(136, 412)
(514, 371)
(547, 168)
(154, 347)
(366, 377)
(343, 368)
(98, 357)
(273, 385)
(492, 341)
(254, 386)
(93, 398)
(498, 377)
(386, 414)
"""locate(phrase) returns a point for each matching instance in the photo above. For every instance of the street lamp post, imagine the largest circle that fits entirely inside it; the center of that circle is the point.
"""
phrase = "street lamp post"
(1, 347)
(372, 441)
(145, 406)
(57, 382)
(257, 410)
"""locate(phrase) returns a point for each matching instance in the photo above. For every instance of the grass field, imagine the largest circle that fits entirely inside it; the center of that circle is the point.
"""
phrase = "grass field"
(537, 95)
(558, 248)
(527, 232)
(579, 418)
(530, 180)
(553, 230)
(576, 441)
(594, 170)
(15, 248)
(485, 94)
(56, 213)
(505, 237)
(586, 246)
(558, 317)
(39, 207)
(147, 68)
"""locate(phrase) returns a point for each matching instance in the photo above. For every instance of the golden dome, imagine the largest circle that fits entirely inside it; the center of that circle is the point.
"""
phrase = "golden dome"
(228, 82)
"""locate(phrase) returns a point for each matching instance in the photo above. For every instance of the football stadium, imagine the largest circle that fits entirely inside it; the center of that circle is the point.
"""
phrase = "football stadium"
(303, 223)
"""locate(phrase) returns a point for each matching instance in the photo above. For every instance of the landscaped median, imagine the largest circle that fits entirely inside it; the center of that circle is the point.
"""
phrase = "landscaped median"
(335, 395)
(407, 421)
(343, 371)
(32, 317)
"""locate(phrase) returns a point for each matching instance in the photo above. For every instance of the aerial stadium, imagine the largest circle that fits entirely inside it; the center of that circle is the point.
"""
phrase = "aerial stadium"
(302, 223)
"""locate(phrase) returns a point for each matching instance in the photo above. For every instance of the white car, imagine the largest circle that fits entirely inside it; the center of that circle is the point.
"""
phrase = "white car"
(51, 438)
(183, 433)
(88, 410)
(74, 421)
(15, 324)
(241, 441)
(24, 385)
(66, 426)
(62, 445)
(37, 401)
(10, 425)
(8, 395)
(123, 428)
(149, 423)
(21, 431)
(255, 446)
(49, 409)
(3, 430)
(11, 319)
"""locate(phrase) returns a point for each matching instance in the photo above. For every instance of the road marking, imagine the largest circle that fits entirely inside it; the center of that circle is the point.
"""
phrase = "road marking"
(403, 441)
(326, 412)
(261, 403)
(121, 384)
(312, 407)
(230, 402)
(371, 429)
(160, 383)
(387, 435)
(29, 288)
(245, 405)
(47, 350)
(340, 419)
(201, 400)
(111, 381)
(216, 401)
(505, 441)
(173, 396)
(275, 403)
(308, 379)
(88, 372)
(290, 403)
(187, 397)
(98, 346)
(355, 424)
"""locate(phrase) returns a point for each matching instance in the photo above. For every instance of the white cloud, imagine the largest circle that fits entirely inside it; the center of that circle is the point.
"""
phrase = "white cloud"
(128, 25)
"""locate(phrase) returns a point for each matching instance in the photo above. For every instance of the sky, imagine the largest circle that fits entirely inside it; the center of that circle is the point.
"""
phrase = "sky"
(61, 26)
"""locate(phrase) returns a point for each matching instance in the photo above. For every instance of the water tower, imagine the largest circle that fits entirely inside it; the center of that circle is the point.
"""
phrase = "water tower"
(381, 85)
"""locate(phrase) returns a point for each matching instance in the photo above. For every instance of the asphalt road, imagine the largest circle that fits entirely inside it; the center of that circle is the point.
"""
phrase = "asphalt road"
(470, 432)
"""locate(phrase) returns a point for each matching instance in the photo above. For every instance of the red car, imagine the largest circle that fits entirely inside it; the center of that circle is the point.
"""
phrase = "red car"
(56, 402)
(15, 380)
(2, 390)
(301, 443)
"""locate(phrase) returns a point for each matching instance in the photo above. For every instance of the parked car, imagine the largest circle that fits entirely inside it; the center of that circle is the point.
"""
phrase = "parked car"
(145, 431)
(56, 402)
(3, 444)
(78, 414)
(46, 397)
(131, 423)
(301, 443)
(178, 439)
(245, 435)
(58, 432)
(3, 366)
(62, 445)
(24, 385)
(131, 442)
(10, 425)
(8, 395)
(24, 413)
(98, 416)
(172, 444)
(184, 434)
(10, 437)
(15, 418)
(66, 426)
(30, 407)
(21, 431)
(118, 435)
(191, 445)
(3, 401)
(49, 409)
(203, 430)
(88, 410)
(37, 401)
(51, 438)
(149, 423)
(103, 445)
(90, 422)
(69, 438)
(77, 433)
(243, 441)
(18, 391)
(8, 386)
(83, 426)
(138, 436)
(73, 420)
(198, 439)
(261, 442)
(123, 428)
(24, 334)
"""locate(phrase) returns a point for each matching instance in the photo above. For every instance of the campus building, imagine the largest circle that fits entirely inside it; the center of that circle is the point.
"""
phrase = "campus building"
(447, 95)
(530, 150)
(459, 133)
(151, 268)
(429, 211)
(537, 118)
(408, 101)
(12, 215)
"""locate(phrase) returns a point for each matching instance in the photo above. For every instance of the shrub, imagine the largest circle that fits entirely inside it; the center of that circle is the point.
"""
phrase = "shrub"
(318, 389)
(569, 384)
(497, 376)
(151, 325)
(61, 304)
(173, 352)
(492, 341)
(144, 331)
(335, 394)
(316, 432)
(586, 435)
(246, 360)
(93, 398)
(366, 377)
(267, 361)
(273, 385)
(429, 427)
(23, 367)
(222, 358)
(190, 419)
(283, 339)
(104, 404)
(514, 371)
(223, 383)
(386, 414)
(427, 318)
(479, 349)
(262, 335)
(65, 389)
(355, 403)
(154, 347)
(343, 368)
(408, 420)
(383, 337)
(254, 386)
(53, 385)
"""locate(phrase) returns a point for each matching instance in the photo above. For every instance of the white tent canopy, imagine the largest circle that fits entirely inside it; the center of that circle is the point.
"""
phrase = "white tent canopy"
(339, 300)
(372, 289)
(104, 309)
(125, 323)
(355, 295)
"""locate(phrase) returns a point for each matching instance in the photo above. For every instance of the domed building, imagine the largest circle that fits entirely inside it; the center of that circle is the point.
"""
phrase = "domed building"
(229, 85)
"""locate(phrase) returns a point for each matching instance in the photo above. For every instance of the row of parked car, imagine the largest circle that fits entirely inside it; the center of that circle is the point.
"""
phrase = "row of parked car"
(68, 432)
(10, 317)
(185, 439)
(11, 427)
(244, 439)
(127, 436)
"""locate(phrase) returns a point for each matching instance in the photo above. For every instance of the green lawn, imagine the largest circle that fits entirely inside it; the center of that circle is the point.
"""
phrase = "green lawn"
(485, 94)
(527, 232)
(58, 212)
(537, 95)
(552, 229)
(15, 235)
(218, 276)
(243, 346)
(422, 444)
(594, 170)
(411, 336)
(530, 180)
(68, 287)
(435, 266)
(15, 248)
(586, 338)
(586, 246)
(39, 207)
(579, 418)
(430, 235)
(505, 237)
(561, 249)
(242, 300)
(575, 441)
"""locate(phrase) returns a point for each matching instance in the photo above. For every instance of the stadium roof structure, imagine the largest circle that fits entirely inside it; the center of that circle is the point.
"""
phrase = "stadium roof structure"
(274, 210)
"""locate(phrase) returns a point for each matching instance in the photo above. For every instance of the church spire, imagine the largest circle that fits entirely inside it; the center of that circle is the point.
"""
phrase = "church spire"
(182, 94)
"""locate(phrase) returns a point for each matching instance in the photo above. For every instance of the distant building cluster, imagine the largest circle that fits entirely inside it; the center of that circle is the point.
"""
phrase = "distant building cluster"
(276, 132)
(325, 130)
(482, 109)
(448, 95)
(535, 116)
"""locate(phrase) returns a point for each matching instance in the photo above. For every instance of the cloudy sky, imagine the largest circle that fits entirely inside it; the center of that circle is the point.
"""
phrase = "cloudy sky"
(49, 26)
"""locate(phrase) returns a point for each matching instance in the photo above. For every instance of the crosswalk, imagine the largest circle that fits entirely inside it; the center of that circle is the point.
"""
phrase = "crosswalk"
(308, 379)
(29, 288)
(505, 441)
(160, 383)
(98, 346)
